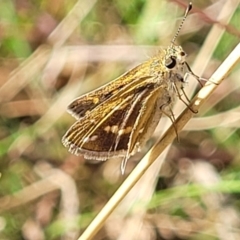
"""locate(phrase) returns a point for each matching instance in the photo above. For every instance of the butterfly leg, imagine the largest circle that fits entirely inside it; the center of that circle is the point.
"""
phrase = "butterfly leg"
(193, 74)
(185, 95)
(169, 113)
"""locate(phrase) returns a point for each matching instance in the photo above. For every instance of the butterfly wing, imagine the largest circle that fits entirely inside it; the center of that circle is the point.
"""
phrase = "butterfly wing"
(111, 129)
(86, 103)
(146, 121)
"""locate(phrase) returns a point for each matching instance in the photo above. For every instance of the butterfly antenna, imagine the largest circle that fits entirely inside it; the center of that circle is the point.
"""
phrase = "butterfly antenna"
(180, 26)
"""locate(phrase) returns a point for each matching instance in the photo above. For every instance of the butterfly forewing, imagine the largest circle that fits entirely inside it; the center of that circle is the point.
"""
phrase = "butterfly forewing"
(86, 103)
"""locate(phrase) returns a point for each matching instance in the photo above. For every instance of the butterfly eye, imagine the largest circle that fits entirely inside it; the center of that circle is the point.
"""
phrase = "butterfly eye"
(182, 54)
(171, 62)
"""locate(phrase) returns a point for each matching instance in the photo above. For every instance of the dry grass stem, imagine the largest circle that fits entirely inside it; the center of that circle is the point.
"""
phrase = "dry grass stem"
(229, 118)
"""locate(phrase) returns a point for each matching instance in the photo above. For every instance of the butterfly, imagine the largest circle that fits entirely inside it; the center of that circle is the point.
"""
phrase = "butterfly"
(117, 119)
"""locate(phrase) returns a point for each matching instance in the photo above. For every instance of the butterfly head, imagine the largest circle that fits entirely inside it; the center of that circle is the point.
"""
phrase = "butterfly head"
(174, 57)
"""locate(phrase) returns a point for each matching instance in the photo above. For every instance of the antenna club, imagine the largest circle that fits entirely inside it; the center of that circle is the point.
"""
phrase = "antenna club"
(189, 8)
